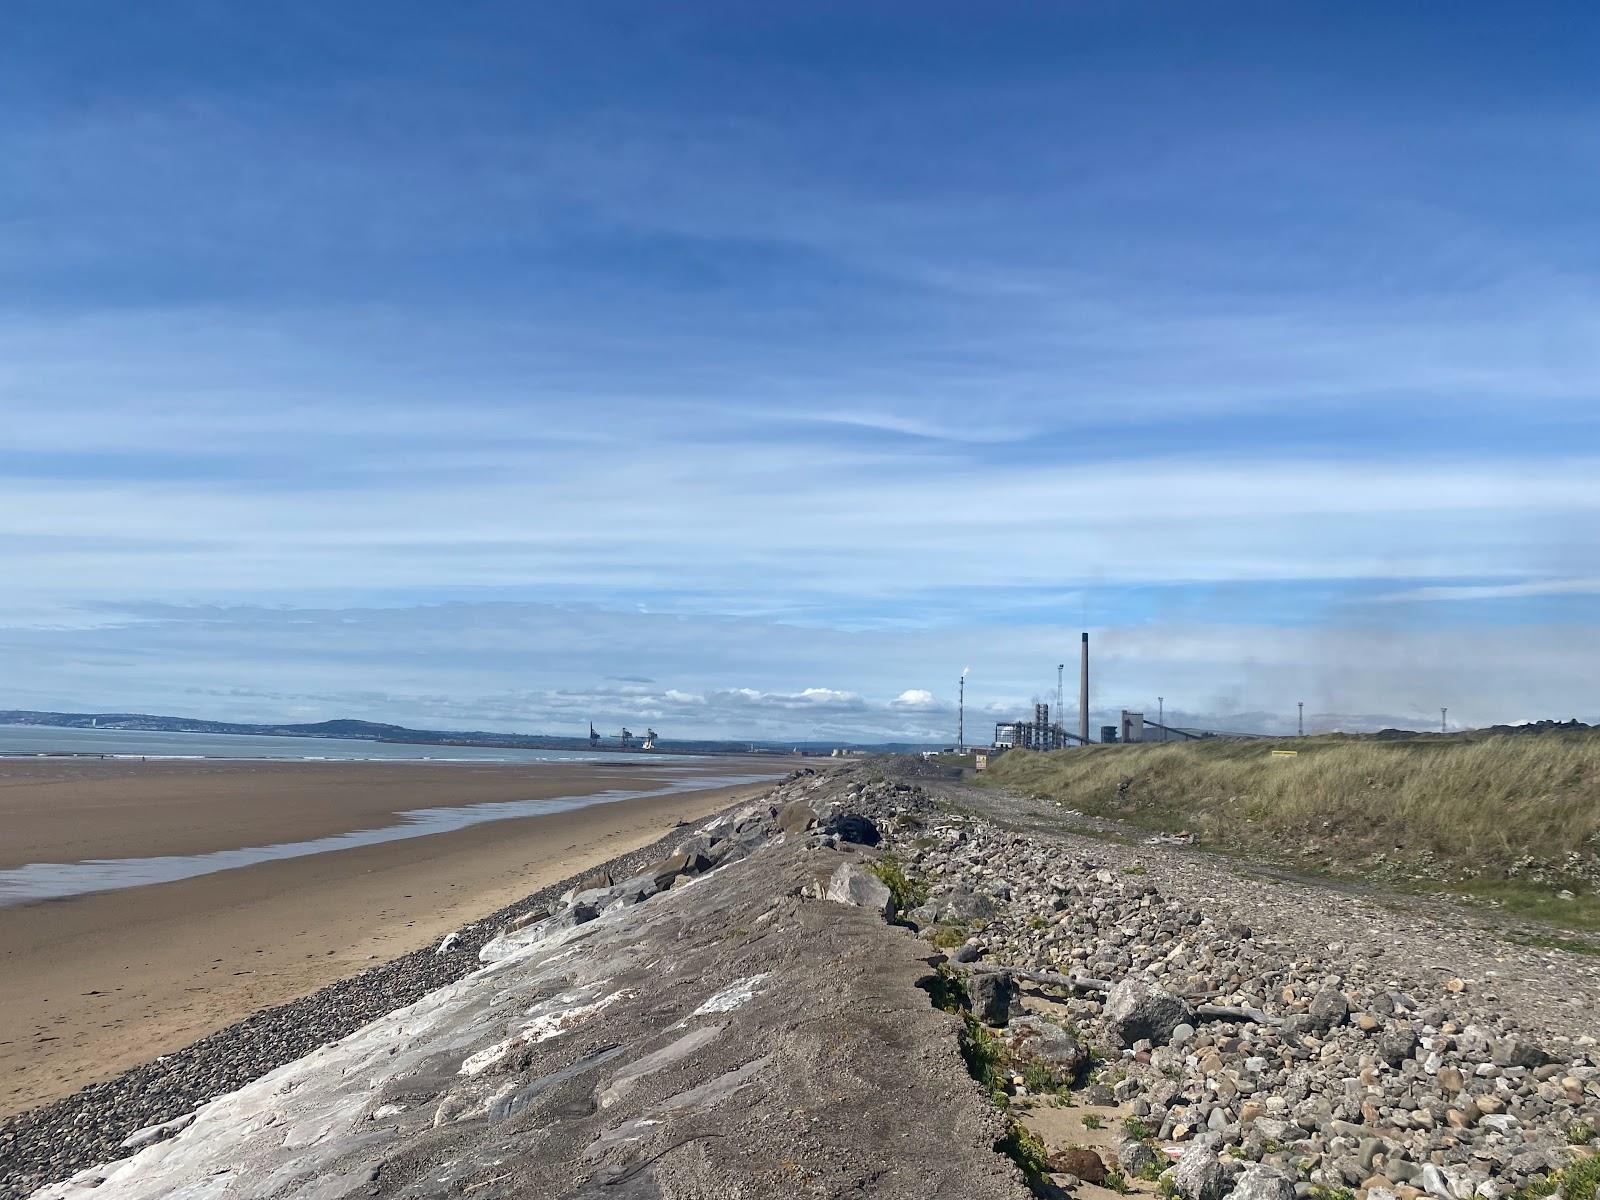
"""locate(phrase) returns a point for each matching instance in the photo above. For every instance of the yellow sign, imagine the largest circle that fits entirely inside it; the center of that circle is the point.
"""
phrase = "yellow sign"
(1285, 753)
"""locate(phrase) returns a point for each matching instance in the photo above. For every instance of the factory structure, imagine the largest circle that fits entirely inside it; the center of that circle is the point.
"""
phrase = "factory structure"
(1042, 733)
(1037, 734)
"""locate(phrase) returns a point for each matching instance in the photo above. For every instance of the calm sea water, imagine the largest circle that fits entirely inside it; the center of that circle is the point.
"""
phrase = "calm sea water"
(127, 743)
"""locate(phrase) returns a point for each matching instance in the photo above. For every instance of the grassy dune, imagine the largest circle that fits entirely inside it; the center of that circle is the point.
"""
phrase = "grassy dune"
(1501, 815)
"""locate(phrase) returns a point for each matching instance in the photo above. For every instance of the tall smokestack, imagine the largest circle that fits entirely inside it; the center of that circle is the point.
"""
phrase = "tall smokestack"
(1083, 693)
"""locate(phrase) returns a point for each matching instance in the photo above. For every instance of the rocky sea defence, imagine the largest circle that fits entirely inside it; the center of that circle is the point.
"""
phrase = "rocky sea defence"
(700, 1025)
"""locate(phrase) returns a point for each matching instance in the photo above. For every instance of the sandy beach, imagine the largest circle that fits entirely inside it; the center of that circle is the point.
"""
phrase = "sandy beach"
(96, 983)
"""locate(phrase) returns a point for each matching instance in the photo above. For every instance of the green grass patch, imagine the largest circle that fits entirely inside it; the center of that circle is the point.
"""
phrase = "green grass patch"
(1579, 1181)
(1025, 1148)
(947, 935)
(1137, 1129)
(946, 991)
(906, 892)
(1529, 900)
(1510, 819)
(984, 1056)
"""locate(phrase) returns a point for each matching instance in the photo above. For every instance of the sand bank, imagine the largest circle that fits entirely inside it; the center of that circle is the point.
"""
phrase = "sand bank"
(97, 983)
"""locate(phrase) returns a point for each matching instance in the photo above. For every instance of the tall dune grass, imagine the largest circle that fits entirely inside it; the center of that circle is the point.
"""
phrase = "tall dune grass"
(1492, 807)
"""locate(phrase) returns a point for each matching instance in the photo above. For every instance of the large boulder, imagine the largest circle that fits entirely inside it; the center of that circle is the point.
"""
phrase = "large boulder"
(851, 884)
(1137, 1158)
(853, 827)
(1260, 1182)
(993, 995)
(1514, 1051)
(1079, 1162)
(966, 906)
(703, 851)
(665, 871)
(796, 817)
(1200, 1175)
(1136, 1010)
(1329, 1009)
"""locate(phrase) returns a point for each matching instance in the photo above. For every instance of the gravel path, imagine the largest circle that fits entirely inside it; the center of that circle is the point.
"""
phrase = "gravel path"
(1423, 940)
(1284, 1039)
(49, 1143)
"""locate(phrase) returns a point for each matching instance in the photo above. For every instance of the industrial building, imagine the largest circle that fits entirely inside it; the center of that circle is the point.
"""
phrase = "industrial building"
(1037, 734)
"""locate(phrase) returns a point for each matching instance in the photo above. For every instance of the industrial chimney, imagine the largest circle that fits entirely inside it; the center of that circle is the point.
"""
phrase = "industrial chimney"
(1083, 693)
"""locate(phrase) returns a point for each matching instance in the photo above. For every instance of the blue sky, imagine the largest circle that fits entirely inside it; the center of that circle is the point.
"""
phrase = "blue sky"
(753, 369)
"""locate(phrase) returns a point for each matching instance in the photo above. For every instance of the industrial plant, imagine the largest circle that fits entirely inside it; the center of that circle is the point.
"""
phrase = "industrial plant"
(1041, 733)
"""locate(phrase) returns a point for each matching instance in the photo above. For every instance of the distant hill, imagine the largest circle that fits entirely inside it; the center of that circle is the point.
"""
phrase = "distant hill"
(373, 731)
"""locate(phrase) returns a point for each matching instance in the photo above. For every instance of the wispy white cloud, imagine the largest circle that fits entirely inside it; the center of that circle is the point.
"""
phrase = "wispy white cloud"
(924, 352)
(1494, 591)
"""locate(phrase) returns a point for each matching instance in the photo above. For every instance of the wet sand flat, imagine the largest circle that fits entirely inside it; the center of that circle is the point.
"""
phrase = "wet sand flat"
(66, 810)
(96, 983)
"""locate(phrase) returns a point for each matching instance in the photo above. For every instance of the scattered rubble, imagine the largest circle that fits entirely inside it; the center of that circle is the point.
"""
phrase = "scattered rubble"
(1248, 1050)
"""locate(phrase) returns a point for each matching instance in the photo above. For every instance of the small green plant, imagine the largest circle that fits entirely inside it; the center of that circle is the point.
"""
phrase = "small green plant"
(1117, 1182)
(1136, 869)
(1038, 1078)
(1580, 1133)
(983, 1055)
(946, 991)
(947, 935)
(1092, 1121)
(1151, 1171)
(1166, 1187)
(1038, 924)
(1137, 1128)
(1323, 1192)
(906, 893)
(1579, 1181)
(1024, 1147)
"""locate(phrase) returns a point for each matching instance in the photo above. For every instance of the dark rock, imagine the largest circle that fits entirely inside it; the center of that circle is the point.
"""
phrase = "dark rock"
(969, 906)
(853, 827)
(1396, 1045)
(1329, 1009)
(577, 914)
(1085, 1164)
(993, 996)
